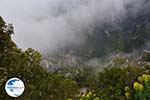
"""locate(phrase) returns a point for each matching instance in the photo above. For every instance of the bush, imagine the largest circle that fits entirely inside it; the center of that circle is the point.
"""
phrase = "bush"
(140, 89)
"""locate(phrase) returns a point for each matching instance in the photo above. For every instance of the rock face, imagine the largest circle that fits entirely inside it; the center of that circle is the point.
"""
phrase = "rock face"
(64, 62)
(119, 59)
(144, 61)
(68, 61)
(49, 65)
(146, 55)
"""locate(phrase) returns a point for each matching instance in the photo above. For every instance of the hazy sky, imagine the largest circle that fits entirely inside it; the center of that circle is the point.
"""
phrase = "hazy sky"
(49, 24)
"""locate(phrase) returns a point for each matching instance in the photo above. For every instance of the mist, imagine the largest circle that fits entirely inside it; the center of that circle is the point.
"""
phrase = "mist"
(47, 25)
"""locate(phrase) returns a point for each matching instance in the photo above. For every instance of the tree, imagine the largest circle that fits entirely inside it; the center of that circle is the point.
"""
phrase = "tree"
(39, 83)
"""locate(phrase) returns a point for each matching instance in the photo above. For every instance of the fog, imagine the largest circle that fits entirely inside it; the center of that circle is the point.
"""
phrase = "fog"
(47, 25)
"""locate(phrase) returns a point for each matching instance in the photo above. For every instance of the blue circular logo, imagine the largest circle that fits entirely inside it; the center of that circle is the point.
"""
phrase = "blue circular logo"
(14, 87)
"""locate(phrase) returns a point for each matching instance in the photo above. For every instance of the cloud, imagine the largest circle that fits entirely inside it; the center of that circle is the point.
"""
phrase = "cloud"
(47, 25)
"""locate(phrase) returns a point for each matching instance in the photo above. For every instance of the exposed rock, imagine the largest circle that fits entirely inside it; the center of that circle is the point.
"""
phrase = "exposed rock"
(49, 65)
(146, 55)
(67, 61)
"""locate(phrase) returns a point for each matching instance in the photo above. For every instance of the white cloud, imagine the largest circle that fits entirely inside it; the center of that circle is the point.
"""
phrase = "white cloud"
(48, 24)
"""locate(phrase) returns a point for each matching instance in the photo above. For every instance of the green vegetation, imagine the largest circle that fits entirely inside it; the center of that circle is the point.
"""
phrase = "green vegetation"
(39, 83)
(113, 83)
(89, 96)
(140, 89)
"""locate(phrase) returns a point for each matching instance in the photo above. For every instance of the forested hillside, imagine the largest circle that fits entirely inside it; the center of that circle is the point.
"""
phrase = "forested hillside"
(129, 35)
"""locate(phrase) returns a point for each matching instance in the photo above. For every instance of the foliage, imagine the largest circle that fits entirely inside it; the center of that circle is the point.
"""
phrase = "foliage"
(39, 83)
(88, 96)
(110, 82)
(140, 90)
